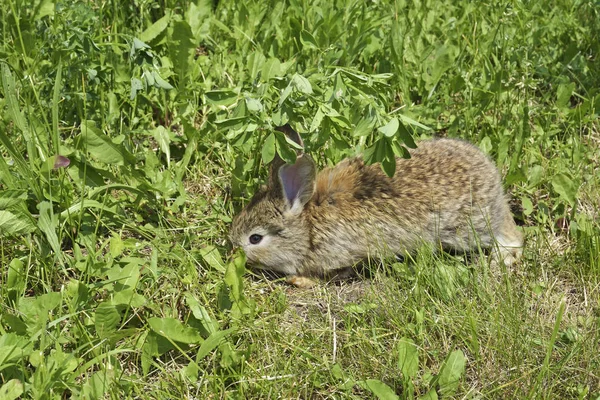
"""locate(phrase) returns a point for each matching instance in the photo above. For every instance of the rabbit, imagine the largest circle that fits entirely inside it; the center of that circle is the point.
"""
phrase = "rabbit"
(307, 225)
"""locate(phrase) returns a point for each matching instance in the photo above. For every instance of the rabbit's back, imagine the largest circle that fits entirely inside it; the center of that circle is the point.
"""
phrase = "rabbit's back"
(448, 192)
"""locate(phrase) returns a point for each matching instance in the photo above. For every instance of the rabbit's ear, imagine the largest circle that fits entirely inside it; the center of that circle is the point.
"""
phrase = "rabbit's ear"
(274, 179)
(298, 182)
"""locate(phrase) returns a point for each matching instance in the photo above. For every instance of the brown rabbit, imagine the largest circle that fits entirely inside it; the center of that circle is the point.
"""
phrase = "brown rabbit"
(304, 224)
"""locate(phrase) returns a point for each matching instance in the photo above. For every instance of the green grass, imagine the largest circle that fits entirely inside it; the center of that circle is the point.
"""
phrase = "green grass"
(118, 280)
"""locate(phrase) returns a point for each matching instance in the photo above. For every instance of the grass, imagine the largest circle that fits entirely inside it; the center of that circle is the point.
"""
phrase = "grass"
(132, 132)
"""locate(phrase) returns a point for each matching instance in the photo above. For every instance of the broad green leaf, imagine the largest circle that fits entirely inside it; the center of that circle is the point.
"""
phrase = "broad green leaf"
(149, 78)
(11, 390)
(381, 77)
(14, 113)
(155, 29)
(527, 205)
(254, 105)
(16, 275)
(285, 93)
(230, 358)
(339, 88)
(96, 386)
(149, 351)
(268, 149)
(232, 123)
(48, 223)
(136, 86)
(61, 362)
(129, 297)
(340, 121)
(6, 176)
(397, 42)
(137, 44)
(101, 147)
(563, 94)
(408, 358)
(256, 60)
(116, 246)
(36, 310)
(283, 148)
(365, 126)
(271, 69)
(234, 277)
(486, 145)
(221, 97)
(285, 66)
(535, 175)
(566, 187)
(302, 84)
(49, 301)
(129, 275)
(361, 308)
(379, 389)
(399, 150)
(408, 120)
(14, 348)
(279, 117)
(293, 144)
(443, 60)
(182, 49)
(431, 395)
(159, 82)
(390, 128)
(162, 137)
(12, 103)
(210, 254)
(221, 26)
(211, 343)
(198, 17)
(125, 282)
(174, 330)
(337, 372)
(406, 137)
(308, 40)
(381, 151)
(388, 164)
(106, 319)
(316, 122)
(451, 373)
(191, 371)
(43, 9)
(12, 224)
(201, 314)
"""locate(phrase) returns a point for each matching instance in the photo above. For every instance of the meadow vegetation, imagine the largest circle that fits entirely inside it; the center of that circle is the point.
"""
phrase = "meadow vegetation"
(132, 131)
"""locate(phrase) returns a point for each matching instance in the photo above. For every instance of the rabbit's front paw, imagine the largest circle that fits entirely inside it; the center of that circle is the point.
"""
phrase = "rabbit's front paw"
(301, 282)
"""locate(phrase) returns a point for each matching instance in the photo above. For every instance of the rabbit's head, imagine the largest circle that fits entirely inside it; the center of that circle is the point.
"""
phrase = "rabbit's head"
(273, 229)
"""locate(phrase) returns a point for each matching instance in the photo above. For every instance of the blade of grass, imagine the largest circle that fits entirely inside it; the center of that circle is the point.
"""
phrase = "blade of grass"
(545, 369)
(55, 100)
(8, 84)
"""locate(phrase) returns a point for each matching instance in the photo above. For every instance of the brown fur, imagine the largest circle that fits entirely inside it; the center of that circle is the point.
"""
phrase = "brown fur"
(448, 192)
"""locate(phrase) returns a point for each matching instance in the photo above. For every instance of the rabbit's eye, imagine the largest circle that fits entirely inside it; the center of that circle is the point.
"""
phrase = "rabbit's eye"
(255, 238)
